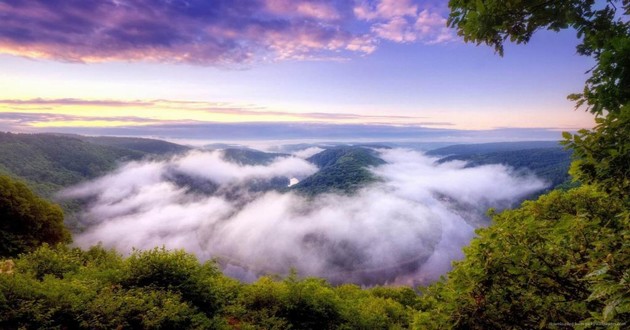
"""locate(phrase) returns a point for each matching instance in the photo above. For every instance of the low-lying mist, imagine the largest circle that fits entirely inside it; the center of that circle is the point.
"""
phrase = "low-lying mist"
(405, 228)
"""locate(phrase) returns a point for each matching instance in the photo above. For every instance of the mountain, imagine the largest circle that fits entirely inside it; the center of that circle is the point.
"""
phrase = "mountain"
(546, 159)
(50, 162)
(245, 156)
(484, 148)
(147, 146)
(340, 169)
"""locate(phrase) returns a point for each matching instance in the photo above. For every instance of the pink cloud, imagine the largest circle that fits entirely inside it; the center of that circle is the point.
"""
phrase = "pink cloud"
(218, 32)
(397, 29)
(310, 9)
(385, 9)
(402, 21)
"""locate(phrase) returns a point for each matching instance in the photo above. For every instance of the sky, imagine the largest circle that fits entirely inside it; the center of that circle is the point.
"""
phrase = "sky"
(366, 68)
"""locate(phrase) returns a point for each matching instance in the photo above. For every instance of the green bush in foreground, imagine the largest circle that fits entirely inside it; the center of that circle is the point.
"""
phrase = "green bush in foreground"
(564, 258)
(61, 287)
(26, 220)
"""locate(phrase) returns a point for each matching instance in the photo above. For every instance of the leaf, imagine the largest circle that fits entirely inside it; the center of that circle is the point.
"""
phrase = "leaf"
(566, 135)
(610, 310)
(598, 272)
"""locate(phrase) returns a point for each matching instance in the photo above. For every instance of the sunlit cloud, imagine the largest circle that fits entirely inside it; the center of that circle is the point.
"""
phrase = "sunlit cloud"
(73, 101)
(70, 112)
(220, 32)
(405, 21)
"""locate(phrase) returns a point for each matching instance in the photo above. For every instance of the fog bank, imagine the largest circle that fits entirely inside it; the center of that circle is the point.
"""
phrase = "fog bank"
(406, 228)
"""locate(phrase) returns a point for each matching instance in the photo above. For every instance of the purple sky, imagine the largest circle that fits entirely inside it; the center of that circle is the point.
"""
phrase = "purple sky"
(122, 64)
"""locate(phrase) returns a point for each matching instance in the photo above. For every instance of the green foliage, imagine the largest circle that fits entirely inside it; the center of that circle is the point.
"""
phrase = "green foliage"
(562, 258)
(249, 156)
(487, 148)
(314, 304)
(50, 162)
(341, 169)
(47, 261)
(179, 272)
(60, 287)
(27, 221)
(307, 304)
(603, 154)
(146, 146)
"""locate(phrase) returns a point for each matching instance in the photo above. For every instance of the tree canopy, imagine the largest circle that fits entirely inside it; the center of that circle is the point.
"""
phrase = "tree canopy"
(26, 220)
(60, 287)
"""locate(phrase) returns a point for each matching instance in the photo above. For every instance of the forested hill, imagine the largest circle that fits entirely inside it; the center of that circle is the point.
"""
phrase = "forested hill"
(341, 169)
(244, 156)
(49, 162)
(484, 148)
(148, 146)
(548, 160)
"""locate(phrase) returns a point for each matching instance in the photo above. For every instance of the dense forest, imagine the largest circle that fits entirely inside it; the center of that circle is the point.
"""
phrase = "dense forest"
(50, 162)
(561, 261)
(341, 169)
(551, 164)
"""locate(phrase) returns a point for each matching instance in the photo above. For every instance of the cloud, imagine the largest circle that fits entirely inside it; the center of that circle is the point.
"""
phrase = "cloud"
(308, 152)
(32, 118)
(405, 21)
(219, 32)
(405, 228)
(73, 101)
(154, 111)
(295, 131)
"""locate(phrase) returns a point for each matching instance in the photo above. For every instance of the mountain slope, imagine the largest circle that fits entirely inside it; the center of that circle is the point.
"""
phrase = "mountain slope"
(484, 148)
(147, 146)
(244, 156)
(549, 163)
(341, 169)
(49, 162)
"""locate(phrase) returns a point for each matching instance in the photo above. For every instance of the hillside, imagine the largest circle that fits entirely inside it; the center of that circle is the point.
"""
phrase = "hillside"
(147, 146)
(550, 164)
(244, 156)
(49, 162)
(546, 159)
(340, 169)
(485, 148)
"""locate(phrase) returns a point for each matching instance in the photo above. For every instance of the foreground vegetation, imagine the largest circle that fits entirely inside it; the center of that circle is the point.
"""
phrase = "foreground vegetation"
(61, 287)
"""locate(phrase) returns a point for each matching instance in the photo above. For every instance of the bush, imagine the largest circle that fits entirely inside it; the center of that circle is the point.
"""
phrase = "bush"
(27, 221)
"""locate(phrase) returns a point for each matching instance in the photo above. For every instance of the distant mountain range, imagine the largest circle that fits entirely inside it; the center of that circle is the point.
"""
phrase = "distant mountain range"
(50, 162)
(547, 159)
(485, 148)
